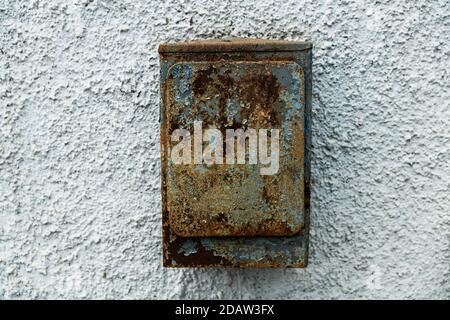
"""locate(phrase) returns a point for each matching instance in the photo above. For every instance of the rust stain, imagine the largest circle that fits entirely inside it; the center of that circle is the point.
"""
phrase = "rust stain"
(203, 256)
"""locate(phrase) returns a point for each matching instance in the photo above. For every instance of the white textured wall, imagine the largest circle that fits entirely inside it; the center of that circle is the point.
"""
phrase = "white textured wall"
(79, 148)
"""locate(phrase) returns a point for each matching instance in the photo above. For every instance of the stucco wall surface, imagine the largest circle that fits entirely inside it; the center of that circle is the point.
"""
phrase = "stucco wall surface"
(79, 147)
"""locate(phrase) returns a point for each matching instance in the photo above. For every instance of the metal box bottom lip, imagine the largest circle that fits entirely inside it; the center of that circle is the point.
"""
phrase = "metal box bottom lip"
(237, 252)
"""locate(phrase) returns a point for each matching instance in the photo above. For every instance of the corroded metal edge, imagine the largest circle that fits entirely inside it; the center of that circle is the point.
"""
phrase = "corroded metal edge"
(234, 45)
(271, 252)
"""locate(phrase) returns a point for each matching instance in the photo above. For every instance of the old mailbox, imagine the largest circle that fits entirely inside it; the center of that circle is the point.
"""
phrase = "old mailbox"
(235, 153)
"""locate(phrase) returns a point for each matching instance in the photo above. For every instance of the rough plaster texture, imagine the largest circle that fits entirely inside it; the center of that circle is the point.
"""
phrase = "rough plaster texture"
(79, 148)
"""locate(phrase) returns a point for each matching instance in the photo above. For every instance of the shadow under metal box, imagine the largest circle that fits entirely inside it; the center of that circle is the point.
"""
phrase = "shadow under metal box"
(235, 153)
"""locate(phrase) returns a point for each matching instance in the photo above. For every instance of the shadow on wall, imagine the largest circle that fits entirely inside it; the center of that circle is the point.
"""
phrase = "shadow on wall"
(284, 282)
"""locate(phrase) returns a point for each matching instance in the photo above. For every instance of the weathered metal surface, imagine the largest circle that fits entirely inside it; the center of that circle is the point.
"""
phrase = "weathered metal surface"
(231, 215)
(236, 200)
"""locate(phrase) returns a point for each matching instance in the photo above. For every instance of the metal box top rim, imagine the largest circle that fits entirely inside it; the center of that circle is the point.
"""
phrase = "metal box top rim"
(234, 45)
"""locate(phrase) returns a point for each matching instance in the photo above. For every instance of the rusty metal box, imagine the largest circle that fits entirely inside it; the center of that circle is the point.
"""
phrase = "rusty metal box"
(235, 153)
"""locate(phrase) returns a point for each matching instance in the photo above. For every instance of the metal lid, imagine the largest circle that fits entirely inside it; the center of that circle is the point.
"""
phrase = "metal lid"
(234, 45)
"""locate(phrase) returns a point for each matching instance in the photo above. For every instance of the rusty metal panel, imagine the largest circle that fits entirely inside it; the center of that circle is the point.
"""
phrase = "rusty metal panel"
(244, 214)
